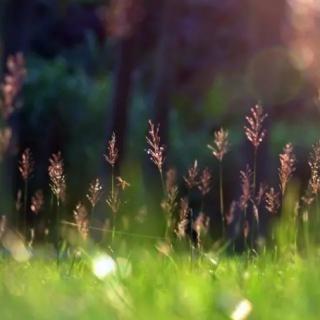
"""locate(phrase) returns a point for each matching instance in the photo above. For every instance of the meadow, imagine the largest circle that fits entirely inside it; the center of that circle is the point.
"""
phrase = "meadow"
(146, 284)
(172, 266)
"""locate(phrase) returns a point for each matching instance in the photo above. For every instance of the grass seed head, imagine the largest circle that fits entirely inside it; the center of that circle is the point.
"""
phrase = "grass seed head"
(221, 144)
(192, 176)
(272, 201)
(201, 226)
(169, 204)
(37, 202)
(260, 194)
(57, 177)
(287, 166)
(94, 192)
(231, 213)
(26, 164)
(246, 187)
(13, 82)
(81, 217)
(314, 164)
(183, 218)
(113, 153)
(155, 150)
(122, 184)
(254, 130)
(308, 197)
(205, 182)
(113, 201)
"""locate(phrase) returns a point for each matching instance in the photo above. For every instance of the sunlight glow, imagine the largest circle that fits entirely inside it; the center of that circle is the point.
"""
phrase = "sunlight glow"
(103, 266)
(242, 310)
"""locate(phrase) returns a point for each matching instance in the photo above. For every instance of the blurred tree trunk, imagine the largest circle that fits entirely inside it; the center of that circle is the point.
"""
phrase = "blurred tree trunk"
(163, 76)
(122, 90)
(161, 88)
(164, 71)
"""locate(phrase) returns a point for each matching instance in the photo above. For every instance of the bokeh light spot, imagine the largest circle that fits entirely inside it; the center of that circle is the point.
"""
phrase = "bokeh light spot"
(242, 310)
(103, 266)
(272, 77)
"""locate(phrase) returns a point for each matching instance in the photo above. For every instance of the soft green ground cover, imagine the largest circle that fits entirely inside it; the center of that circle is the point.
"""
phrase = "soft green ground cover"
(147, 285)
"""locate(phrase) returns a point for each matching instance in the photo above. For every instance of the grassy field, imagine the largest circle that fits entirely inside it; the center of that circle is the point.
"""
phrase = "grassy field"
(264, 264)
(149, 285)
(179, 275)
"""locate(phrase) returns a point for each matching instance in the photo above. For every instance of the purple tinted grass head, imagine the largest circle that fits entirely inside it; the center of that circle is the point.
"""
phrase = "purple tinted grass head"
(254, 129)
(272, 201)
(183, 221)
(94, 192)
(201, 227)
(156, 149)
(113, 153)
(246, 187)
(57, 177)
(37, 202)
(169, 203)
(205, 182)
(12, 84)
(314, 164)
(192, 177)
(81, 218)
(26, 164)
(287, 166)
(221, 144)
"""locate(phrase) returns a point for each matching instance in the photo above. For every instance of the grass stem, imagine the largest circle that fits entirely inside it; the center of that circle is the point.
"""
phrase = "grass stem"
(25, 204)
(221, 198)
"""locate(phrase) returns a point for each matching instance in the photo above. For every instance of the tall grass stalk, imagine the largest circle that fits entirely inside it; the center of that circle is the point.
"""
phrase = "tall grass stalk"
(255, 133)
(26, 167)
(58, 188)
(58, 234)
(254, 171)
(219, 148)
(162, 182)
(25, 205)
(221, 199)
(245, 229)
(190, 240)
(113, 214)
(169, 204)
(317, 209)
(111, 157)
(156, 149)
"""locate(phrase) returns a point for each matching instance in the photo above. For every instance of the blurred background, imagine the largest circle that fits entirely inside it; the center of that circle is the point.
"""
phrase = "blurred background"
(98, 66)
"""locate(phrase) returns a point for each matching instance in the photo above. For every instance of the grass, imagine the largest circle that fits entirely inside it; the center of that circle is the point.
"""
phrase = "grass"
(150, 285)
(178, 271)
